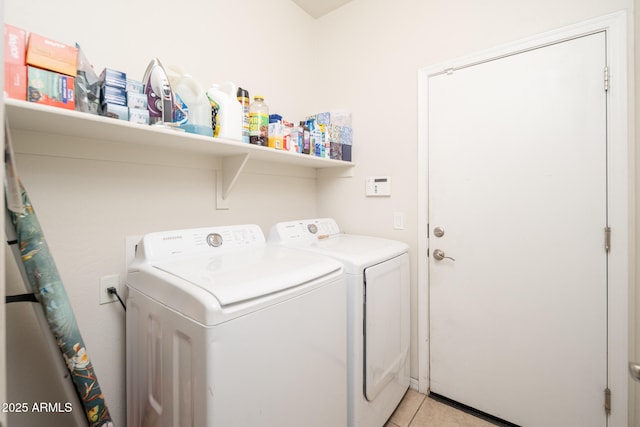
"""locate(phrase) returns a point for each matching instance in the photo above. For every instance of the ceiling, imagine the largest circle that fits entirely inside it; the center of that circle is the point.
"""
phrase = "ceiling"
(317, 8)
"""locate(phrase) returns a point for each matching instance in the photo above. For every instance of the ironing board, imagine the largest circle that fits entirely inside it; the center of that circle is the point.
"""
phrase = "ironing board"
(43, 280)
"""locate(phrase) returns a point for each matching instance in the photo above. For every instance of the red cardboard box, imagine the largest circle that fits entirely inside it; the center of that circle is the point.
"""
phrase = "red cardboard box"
(47, 87)
(14, 45)
(15, 81)
(48, 54)
(15, 70)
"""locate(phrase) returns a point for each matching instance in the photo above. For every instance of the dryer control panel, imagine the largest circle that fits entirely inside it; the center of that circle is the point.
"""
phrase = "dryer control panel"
(304, 230)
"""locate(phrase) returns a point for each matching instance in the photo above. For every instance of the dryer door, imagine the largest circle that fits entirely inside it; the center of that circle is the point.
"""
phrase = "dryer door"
(386, 325)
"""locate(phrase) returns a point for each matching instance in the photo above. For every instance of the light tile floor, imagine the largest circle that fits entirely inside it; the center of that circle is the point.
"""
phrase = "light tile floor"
(418, 410)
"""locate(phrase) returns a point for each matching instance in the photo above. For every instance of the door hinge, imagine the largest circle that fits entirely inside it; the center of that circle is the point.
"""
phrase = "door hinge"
(607, 239)
(606, 79)
(607, 401)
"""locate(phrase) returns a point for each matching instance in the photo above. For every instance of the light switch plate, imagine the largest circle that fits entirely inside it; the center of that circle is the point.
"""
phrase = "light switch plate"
(398, 220)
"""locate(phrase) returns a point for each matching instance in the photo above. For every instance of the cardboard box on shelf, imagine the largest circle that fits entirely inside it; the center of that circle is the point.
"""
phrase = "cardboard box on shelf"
(115, 111)
(137, 115)
(48, 54)
(15, 70)
(114, 78)
(137, 100)
(15, 81)
(113, 95)
(47, 87)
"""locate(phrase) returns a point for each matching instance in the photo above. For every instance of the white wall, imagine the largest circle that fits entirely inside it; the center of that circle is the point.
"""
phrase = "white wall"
(369, 54)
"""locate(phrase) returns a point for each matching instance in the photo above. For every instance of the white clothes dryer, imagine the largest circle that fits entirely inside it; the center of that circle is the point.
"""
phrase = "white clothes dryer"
(225, 330)
(377, 311)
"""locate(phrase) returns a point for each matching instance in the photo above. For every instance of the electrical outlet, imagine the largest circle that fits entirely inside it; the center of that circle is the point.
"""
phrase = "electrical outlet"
(105, 283)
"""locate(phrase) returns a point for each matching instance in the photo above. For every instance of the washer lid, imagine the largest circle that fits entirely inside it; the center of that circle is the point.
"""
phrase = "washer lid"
(247, 274)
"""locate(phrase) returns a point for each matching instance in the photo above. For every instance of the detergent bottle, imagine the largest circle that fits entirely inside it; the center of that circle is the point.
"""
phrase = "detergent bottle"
(192, 108)
(243, 99)
(259, 121)
(228, 120)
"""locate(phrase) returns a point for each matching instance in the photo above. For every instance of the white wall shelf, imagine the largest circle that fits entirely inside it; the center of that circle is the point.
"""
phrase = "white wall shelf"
(234, 155)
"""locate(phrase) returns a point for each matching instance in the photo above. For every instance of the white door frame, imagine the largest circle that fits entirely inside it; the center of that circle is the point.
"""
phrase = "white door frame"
(620, 189)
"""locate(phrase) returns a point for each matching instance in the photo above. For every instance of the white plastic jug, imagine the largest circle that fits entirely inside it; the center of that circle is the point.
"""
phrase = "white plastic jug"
(193, 111)
(229, 117)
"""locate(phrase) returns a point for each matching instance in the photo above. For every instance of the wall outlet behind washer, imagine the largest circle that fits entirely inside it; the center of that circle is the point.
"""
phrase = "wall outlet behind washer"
(112, 280)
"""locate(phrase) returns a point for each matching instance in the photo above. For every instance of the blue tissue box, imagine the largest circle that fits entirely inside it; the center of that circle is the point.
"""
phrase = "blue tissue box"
(113, 78)
(115, 111)
(113, 95)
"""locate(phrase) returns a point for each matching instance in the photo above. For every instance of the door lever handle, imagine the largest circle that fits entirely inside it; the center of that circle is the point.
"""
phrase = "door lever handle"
(634, 369)
(439, 255)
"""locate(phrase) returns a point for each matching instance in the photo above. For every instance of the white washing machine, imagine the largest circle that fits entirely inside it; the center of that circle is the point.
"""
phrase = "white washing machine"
(224, 330)
(377, 312)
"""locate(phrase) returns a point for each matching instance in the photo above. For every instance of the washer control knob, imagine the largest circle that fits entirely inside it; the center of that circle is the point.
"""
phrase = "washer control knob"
(214, 239)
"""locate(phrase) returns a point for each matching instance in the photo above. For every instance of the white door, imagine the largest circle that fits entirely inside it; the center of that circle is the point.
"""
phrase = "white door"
(517, 183)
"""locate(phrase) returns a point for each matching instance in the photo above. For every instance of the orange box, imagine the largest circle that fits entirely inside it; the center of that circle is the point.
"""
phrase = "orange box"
(50, 88)
(15, 70)
(51, 55)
